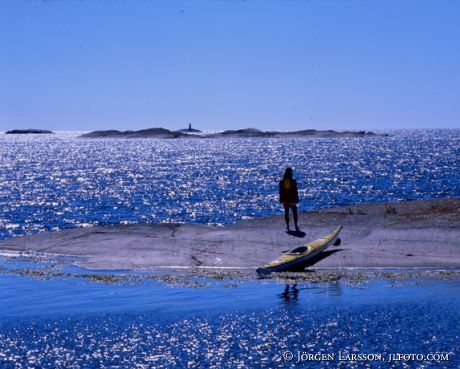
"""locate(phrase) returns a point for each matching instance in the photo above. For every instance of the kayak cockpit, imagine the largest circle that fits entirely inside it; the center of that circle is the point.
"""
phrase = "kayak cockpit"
(298, 250)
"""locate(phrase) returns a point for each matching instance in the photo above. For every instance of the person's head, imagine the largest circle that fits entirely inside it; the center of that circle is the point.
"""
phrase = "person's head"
(288, 173)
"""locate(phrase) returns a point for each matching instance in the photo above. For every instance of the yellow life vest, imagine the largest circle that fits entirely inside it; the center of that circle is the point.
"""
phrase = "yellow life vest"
(287, 184)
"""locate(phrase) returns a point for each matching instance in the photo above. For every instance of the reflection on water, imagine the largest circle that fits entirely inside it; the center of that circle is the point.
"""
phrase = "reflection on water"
(290, 293)
(293, 293)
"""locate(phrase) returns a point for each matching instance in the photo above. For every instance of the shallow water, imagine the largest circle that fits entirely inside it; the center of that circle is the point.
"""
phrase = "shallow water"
(142, 321)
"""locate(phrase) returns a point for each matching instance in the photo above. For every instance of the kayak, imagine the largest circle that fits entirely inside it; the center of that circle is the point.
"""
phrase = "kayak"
(301, 254)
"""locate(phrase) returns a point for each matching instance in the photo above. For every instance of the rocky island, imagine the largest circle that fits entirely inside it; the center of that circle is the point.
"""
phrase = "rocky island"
(404, 234)
(28, 131)
(247, 132)
(144, 133)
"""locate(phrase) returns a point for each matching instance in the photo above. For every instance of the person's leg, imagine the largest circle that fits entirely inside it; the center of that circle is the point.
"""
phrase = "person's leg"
(286, 215)
(296, 217)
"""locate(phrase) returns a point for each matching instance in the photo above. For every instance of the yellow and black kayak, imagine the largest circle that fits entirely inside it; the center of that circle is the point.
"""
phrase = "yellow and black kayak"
(301, 254)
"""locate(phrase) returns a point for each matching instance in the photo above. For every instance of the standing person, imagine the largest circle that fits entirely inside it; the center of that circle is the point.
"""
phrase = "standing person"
(289, 196)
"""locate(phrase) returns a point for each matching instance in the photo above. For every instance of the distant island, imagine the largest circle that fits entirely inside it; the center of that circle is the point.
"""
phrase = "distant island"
(247, 132)
(28, 131)
(144, 133)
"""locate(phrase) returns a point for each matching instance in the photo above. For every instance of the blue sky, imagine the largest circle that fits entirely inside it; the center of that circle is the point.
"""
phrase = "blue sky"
(267, 64)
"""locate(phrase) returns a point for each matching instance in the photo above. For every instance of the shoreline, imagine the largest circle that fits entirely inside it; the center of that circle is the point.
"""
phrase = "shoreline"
(410, 234)
(45, 267)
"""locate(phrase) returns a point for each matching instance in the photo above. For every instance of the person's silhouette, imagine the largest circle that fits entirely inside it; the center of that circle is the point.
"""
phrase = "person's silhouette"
(289, 196)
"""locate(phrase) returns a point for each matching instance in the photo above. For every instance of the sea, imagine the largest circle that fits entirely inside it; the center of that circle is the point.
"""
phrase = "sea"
(75, 318)
(59, 181)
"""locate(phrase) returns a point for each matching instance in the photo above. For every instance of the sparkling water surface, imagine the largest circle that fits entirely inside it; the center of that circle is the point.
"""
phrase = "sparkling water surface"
(73, 323)
(51, 182)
